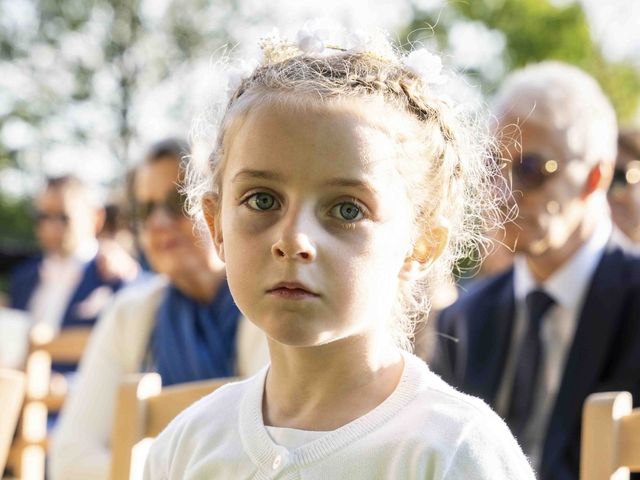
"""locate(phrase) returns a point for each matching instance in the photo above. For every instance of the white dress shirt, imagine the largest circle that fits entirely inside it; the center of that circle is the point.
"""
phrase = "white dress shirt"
(568, 287)
(59, 278)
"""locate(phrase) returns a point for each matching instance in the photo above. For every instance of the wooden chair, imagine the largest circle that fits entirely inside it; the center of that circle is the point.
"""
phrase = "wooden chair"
(143, 410)
(45, 393)
(11, 396)
(610, 444)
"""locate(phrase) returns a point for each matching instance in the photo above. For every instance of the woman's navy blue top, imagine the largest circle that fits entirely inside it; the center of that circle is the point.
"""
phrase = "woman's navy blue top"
(192, 340)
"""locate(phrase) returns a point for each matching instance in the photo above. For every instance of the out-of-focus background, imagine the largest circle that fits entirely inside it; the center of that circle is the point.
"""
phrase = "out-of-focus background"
(85, 85)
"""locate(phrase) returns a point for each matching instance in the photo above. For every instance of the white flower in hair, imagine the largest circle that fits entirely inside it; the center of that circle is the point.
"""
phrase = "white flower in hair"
(426, 65)
(310, 42)
(238, 72)
(358, 41)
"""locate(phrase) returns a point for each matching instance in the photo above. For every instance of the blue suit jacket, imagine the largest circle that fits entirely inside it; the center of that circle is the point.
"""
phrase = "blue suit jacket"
(25, 278)
(604, 354)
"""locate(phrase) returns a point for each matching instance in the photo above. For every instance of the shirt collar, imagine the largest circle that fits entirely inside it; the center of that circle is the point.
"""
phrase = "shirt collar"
(567, 285)
(86, 251)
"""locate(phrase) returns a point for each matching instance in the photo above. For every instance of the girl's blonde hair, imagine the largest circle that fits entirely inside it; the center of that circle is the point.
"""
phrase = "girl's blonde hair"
(447, 161)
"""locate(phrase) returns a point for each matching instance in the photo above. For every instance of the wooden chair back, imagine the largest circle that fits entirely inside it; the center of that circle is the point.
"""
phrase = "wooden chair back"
(11, 396)
(143, 410)
(45, 393)
(610, 444)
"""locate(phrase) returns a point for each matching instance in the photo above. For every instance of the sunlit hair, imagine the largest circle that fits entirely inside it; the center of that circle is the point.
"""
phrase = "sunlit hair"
(443, 154)
(564, 98)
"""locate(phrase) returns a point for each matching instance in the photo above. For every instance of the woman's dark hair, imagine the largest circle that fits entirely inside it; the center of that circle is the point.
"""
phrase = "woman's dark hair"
(169, 148)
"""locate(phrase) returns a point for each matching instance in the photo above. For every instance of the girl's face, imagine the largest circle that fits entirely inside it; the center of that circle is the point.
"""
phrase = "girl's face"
(314, 222)
(166, 235)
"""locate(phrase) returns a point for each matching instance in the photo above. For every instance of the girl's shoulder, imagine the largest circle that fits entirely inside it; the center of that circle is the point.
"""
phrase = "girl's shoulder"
(435, 394)
(426, 402)
(465, 427)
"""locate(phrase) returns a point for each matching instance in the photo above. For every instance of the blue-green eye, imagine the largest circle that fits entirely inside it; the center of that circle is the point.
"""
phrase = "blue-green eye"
(347, 211)
(262, 201)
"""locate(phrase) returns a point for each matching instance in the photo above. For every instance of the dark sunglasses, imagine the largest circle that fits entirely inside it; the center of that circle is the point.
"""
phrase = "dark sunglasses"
(533, 170)
(173, 205)
(622, 177)
(41, 217)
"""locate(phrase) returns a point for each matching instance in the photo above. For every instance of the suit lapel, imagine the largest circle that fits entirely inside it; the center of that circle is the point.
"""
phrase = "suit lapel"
(597, 324)
(492, 326)
(90, 281)
(24, 283)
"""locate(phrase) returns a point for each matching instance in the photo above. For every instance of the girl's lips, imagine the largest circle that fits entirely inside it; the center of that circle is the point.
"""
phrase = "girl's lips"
(292, 293)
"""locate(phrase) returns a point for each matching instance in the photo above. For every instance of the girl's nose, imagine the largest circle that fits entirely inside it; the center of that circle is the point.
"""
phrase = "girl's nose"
(296, 247)
(294, 242)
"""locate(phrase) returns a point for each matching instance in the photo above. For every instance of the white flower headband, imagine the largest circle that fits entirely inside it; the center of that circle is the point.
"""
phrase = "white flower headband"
(320, 39)
(425, 65)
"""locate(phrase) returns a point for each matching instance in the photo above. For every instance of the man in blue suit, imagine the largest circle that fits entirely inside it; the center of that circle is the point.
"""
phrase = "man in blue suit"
(564, 321)
(64, 286)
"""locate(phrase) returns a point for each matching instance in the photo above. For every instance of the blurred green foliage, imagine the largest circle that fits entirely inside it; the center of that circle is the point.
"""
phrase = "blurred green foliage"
(80, 43)
(16, 222)
(118, 44)
(16, 230)
(537, 30)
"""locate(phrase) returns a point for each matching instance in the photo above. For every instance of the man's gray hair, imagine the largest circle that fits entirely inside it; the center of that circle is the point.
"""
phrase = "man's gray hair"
(565, 98)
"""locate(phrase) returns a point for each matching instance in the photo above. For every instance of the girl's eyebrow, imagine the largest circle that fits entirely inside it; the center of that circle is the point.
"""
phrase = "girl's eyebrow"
(351, 183)
(247, 173)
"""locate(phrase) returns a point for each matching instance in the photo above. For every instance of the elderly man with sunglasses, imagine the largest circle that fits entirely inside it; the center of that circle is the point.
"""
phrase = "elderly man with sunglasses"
(564, 321)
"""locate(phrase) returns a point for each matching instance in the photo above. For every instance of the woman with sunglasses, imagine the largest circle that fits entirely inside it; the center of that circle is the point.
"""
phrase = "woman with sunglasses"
(181, 323)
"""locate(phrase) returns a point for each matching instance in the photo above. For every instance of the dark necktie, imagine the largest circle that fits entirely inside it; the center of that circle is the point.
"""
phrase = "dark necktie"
(528, 363)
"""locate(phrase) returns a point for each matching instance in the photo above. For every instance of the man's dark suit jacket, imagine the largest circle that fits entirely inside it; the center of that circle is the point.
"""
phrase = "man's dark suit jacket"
(604, 354)
(26, 277)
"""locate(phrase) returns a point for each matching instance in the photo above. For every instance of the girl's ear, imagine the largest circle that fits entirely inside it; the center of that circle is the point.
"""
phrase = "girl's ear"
(427, 248)
(211, 211)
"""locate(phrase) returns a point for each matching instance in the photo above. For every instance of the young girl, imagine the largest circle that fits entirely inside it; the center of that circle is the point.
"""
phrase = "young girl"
(342, 182)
